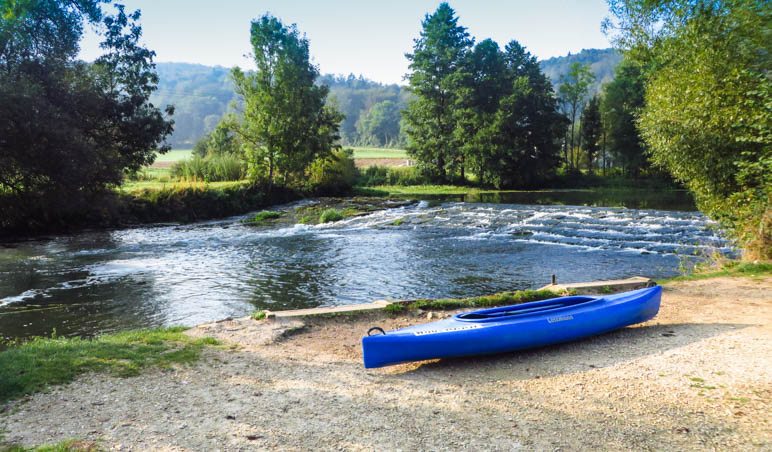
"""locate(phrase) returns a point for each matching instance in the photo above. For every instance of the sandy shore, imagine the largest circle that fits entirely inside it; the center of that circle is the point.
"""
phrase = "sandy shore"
(697, 377)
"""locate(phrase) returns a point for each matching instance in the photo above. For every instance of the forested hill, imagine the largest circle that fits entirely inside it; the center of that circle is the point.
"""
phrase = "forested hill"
(602, 62)
(201, 95)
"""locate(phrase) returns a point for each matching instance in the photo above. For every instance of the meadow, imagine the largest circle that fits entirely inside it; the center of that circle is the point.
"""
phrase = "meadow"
(176, 155)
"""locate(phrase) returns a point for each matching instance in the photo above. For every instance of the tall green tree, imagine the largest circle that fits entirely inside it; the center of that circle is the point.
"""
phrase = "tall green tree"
(285, 123)
(380, 125)
(591, 130)
(482, 82)
(431, 117)
(623, 101)
(573, 90)
(708, 112)
(509, 121)
(530, 123)
(69, 129)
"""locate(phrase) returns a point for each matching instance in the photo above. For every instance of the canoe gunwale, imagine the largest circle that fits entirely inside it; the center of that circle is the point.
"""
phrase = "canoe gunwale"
(529, 309)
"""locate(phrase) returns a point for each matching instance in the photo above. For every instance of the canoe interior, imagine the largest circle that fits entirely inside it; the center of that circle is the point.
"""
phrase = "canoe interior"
(534, 308)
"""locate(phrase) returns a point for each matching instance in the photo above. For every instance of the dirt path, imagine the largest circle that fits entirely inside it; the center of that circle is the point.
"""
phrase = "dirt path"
(697, 377)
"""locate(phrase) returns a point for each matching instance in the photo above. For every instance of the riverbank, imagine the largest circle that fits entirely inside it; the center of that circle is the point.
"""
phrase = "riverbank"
(162, 201)
(696, 377)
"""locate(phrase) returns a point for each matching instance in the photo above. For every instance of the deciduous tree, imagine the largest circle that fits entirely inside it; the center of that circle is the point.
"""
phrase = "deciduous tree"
(285, 124)
(573, 90)
(592, 130)
(708, 112)
(68, 128)
(623, 100)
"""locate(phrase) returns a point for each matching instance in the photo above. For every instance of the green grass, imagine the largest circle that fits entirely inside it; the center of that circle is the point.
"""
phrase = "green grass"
(41, 362)
(400, 190)
(175, 155)
(378, 153)
(731, 268)
(330, 215)
(132, 186)
(263, 216)
(500, 299)
(64, 446)
(259, 315)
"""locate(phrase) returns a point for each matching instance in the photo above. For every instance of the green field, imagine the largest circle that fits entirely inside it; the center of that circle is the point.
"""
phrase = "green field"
(378, 153)
(359, 153)
(174, 155)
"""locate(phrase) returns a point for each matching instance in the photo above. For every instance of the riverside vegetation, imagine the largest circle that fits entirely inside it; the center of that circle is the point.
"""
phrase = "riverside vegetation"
(479, 114)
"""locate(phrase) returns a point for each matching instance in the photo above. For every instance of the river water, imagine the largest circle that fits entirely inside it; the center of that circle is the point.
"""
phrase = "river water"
(162, 275)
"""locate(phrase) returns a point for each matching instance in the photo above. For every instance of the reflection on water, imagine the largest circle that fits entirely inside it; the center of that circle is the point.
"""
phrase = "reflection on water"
(182, 275)
(631, 199)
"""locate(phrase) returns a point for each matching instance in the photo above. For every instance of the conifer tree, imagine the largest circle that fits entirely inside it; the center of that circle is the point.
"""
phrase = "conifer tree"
(431, 117)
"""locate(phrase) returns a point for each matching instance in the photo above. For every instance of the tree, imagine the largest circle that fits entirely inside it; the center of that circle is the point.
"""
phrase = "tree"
(431, 117)
(285, 124)
(381, 123)
(573, 90)
(482, 82)
(508, 118)
(623, 100)
(529, 122)
(708, 112)
(69, 129)
(591, 130)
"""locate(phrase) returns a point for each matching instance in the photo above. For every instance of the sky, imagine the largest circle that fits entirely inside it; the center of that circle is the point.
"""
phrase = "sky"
(357, 36)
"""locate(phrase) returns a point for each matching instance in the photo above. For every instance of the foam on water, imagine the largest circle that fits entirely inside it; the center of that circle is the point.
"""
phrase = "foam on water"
(173, 274)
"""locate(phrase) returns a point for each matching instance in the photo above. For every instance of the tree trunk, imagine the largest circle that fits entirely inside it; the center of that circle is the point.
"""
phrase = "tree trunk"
(604, 152)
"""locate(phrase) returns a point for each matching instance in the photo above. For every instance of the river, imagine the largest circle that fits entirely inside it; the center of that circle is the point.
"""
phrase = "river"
(161, 275)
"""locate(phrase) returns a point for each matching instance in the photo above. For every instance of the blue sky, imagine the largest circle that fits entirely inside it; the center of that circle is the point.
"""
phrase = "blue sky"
(360, 37)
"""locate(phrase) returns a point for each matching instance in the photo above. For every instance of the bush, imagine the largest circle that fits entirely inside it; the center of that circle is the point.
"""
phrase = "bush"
(383, 175)
(265, 215)
(213, 168)
(330, 215)
(334, 175)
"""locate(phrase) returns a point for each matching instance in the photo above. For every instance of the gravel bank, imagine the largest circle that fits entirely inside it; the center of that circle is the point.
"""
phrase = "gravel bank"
(697, 377)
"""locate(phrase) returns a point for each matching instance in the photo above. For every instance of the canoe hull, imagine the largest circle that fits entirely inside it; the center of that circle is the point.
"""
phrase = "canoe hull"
(533, 325)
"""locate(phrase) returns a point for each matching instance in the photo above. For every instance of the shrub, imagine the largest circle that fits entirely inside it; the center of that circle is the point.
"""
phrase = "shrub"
(382, 175)
(265, 215)
(330, 215)
(213, 168)
(333, 175)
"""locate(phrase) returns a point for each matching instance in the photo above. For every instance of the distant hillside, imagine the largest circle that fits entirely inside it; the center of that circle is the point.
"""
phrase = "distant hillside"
(201, 94)
(602, 62)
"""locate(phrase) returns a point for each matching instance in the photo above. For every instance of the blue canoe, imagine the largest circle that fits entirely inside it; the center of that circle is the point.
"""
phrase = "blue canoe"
(511, 328)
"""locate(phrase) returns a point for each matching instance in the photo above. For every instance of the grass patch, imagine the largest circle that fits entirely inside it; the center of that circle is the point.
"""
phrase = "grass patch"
(397, 222)
(378, 153)
(263, 216)
(161, 185)
(259, 315)
(34, 365)
(330, 215)
(64, 446)
(731, 269)
(500, 299)
(175, 155)
(403, 190)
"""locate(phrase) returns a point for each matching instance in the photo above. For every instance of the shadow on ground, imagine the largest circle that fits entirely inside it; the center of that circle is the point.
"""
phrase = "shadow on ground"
(601, 351)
